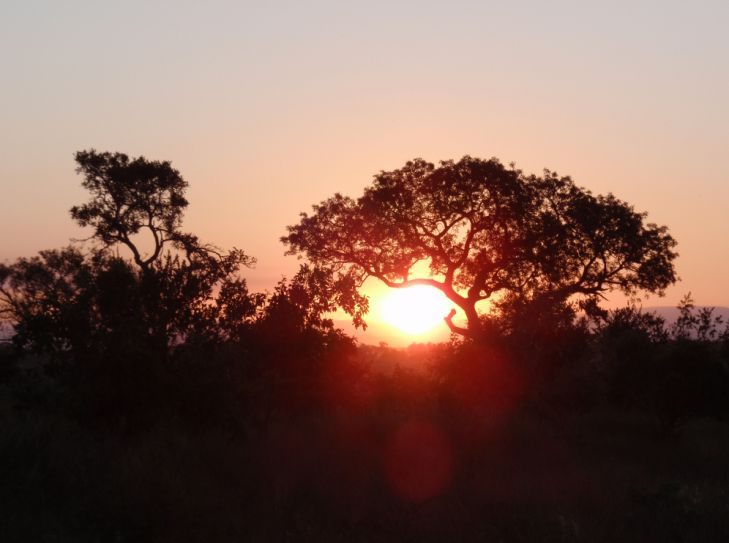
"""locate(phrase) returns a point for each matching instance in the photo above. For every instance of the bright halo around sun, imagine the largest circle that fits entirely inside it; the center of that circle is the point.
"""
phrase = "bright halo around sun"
(415, 310)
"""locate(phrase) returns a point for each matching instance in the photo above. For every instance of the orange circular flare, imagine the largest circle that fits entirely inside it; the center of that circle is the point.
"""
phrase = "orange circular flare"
(419, 462)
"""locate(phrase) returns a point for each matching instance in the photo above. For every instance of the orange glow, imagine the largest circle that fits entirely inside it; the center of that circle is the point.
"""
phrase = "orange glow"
(414, 310)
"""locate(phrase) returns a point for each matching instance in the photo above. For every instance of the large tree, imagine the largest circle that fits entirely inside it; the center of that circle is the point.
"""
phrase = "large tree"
(487, 232)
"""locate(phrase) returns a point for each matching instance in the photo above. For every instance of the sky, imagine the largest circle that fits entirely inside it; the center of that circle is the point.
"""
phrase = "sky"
(269, 107)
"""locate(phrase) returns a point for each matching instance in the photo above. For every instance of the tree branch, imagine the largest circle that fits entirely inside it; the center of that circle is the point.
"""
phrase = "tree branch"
(453, 327)
(411, 282)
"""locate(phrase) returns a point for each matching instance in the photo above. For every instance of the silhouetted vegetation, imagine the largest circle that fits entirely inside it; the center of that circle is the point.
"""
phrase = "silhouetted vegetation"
(147, 395)
(488, 232)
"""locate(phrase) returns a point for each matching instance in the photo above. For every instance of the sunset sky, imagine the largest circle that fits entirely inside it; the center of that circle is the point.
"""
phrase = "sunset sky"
(269, 107)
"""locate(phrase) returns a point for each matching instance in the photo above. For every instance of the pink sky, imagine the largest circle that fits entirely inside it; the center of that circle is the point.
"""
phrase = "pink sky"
(268, 109)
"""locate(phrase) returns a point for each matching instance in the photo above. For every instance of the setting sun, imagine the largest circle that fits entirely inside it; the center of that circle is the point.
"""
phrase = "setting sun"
(415, 310)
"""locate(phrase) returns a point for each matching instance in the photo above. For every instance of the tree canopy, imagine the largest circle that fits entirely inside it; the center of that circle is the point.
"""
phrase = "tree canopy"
(487, 232)
(132, 195)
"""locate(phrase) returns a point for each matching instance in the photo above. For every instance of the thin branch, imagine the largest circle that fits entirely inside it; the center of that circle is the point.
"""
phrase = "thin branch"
(453, 327)
(410, 282)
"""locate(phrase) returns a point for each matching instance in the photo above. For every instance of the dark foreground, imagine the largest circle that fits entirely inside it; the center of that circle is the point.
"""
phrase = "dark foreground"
(603, 476)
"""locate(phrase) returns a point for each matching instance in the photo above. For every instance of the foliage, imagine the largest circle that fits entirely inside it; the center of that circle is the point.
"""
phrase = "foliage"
(301, 303)
(702, 325)
(49, 300)
(487, 231)
(129, 195)
(65, 302)
(200, 297)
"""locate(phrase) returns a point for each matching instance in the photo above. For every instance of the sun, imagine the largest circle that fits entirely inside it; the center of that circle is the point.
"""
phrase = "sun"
(414, 310)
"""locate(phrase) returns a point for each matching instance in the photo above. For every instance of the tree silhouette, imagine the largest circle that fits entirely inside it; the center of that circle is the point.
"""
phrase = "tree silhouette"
(48, 301)
(129, 196)
(78, 302)
(487, 232)
(180, 275)
(113, 329)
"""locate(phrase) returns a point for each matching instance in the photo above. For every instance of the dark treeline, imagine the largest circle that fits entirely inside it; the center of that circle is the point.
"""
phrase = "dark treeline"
(153, 397)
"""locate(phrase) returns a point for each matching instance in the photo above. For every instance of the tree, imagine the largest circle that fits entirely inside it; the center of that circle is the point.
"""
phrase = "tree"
(180, 275)
(314, 363)
(129, 196)
(486, 232)
(47, 299)
(119, 331)
(300, 305)
(69, 300)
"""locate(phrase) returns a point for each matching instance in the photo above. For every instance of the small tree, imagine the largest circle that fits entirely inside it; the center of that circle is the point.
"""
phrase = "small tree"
(48, 300)
(487, 232)
(182, 288)
(129, 195)
(179, 275)
(118, 329)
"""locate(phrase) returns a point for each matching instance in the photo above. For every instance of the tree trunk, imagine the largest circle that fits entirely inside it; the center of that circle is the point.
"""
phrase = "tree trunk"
(473, 323)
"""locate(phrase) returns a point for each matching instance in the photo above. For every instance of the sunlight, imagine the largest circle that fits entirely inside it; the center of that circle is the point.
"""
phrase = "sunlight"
(414, 310)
